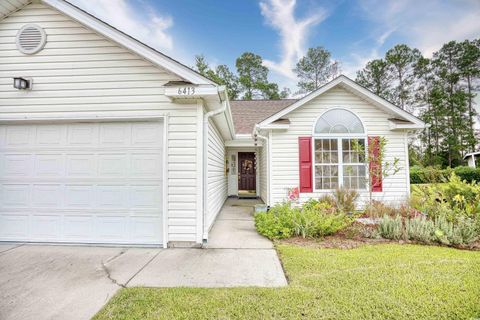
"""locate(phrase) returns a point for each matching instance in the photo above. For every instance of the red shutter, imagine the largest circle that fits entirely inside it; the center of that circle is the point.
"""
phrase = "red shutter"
(305, 159)
(375, 164)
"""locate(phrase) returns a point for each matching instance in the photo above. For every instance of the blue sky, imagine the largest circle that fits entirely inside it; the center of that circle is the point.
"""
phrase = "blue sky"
(281, 30)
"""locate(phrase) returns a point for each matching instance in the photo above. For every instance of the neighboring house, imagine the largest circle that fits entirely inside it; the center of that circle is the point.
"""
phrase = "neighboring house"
(473, 158)
(117, 143)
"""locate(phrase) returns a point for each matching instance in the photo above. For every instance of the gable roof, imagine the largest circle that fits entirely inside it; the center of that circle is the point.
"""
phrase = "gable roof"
(247, 113)
(10, 6)
(358, 90)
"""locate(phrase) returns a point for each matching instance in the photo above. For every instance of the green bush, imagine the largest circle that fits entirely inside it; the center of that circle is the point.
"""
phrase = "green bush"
(456, 198)
(422, 175)
(278, 222)
(419, 229)
(315, 219)
(391, 227)
(462, 232)
(314, 223)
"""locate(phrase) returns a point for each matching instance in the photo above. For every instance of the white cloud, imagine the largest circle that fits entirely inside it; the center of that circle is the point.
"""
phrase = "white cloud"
(280, 14)
(427, 24)
(141, 22)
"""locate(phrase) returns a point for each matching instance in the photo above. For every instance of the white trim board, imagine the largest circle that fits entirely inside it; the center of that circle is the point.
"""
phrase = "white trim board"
(357, 89)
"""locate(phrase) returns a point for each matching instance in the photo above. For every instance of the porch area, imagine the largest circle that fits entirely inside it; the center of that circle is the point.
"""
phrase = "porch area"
(246, 173)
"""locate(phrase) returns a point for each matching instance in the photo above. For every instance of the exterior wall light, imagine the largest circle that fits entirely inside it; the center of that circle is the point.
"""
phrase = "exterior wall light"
(22, 83)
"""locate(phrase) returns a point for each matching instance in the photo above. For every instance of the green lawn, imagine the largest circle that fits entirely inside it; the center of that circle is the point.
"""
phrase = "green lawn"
(388, 281)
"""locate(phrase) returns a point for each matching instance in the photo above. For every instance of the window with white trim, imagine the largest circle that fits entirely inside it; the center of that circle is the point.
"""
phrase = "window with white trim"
(339, 148)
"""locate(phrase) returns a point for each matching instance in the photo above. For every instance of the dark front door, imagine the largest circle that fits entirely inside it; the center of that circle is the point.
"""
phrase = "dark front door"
(246, 171)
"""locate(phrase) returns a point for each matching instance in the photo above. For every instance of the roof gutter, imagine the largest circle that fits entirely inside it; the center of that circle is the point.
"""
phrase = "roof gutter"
(206, 119)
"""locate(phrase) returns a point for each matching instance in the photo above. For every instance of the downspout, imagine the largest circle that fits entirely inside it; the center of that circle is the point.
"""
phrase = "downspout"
(265, 139)
(206, 119)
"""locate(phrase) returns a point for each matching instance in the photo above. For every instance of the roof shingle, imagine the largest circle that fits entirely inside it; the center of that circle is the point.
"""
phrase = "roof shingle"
(247, 113)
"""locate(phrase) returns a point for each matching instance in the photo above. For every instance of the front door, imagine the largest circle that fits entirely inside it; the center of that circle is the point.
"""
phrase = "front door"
(246, 171)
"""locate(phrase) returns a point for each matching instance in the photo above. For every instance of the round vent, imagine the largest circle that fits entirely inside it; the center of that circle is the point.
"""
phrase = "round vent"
(31, 39)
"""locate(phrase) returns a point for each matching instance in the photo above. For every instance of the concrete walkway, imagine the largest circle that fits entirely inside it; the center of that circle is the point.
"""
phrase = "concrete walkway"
(74, 282)
(236, 255)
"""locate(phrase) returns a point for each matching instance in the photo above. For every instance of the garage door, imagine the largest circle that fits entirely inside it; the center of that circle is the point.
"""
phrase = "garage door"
(82, 182)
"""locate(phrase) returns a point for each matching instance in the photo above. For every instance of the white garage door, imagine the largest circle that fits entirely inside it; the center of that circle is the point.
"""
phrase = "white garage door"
(82, 182)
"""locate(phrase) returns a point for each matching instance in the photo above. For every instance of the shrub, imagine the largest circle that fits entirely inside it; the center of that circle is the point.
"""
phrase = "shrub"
(391, 228)
(463, 232)
(315, 219)
(345, 199)
(378, 209)
(420, 175)
(452, 199)
(278, 222)
(419, 229)
(468, 174)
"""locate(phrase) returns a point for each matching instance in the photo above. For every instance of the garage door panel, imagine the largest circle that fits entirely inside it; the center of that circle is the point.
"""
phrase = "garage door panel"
(16, 165)
(16, 136)
(113, 165)
(15, 195)
(81, 165)
(45, 227)
(78, 228)
(47, 195)
(49, 165)
(145, 196)
(114, 134)
(146, 134)
(148, 165)
(50, 135)
(84, 182)
(82, 134)
(14, 226)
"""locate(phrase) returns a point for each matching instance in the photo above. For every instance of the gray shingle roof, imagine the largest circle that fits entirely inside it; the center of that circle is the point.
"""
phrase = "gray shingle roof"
(246, 113)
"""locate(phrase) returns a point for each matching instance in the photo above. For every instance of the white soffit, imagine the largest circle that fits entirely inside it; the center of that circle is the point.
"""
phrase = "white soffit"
(8, 7)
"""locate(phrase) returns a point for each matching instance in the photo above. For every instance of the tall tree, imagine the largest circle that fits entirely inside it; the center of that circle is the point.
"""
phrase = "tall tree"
(315, 69)
(253, 78)
(228, 79)
(221, 75)
(469, 69)
(377, 77)
(452, 100)
(402, 59)
(201, 65)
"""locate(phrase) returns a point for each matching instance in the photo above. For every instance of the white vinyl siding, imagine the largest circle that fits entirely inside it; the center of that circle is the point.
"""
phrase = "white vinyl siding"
(284, 153)
(81, 71)
(216, 180)
(262, 165)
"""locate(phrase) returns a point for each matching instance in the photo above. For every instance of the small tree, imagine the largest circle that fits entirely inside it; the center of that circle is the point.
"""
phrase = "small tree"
(378, 169)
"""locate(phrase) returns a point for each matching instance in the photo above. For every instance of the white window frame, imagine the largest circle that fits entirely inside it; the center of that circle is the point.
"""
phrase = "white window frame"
(339, 137)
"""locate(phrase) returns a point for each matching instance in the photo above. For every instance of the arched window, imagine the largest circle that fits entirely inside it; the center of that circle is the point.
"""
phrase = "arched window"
(337, 121)
(340, 149)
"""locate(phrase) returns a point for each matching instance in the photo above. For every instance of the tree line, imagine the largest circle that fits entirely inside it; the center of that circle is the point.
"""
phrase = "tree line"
(251, 78)
(439, 90)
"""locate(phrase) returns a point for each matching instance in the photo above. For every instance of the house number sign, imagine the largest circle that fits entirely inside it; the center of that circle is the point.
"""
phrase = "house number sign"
(186, 91)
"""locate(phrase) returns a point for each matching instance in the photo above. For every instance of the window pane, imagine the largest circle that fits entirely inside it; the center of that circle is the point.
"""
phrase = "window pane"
(353, 150)
(339, 121)
(326, 176)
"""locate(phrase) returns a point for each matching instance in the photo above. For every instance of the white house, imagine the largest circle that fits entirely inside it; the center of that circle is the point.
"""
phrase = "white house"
(105, 140)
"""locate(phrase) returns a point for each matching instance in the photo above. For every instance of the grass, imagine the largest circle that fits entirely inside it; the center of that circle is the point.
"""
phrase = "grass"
(387, 281)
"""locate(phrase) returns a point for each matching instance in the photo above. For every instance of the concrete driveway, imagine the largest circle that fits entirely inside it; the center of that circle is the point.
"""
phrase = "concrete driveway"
(74, 282)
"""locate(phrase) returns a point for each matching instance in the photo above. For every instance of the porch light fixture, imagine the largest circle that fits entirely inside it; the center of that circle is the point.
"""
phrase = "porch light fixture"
(22, 83)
